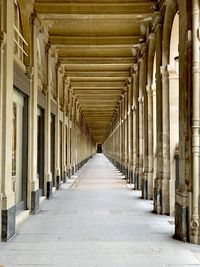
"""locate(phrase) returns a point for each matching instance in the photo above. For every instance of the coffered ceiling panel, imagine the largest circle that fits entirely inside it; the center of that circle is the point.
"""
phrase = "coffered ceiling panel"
(93, 40)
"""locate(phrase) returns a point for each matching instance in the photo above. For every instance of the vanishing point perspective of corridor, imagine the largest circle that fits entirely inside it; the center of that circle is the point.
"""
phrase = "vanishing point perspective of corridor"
(99, 133)
(98, 222)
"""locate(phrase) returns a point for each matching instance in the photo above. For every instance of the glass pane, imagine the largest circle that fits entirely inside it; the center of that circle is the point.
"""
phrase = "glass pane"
(14, 147)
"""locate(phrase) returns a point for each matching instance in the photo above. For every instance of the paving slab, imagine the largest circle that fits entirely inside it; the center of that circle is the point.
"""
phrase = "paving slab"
(97, 221)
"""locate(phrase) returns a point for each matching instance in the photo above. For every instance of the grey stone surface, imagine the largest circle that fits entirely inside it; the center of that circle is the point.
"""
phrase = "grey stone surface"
(8, 223)
(98, 222)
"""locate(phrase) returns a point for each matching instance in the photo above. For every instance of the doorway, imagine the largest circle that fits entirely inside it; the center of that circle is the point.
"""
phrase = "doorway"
(53, 148)
(99, 148)
(40, 155)
(19, 148)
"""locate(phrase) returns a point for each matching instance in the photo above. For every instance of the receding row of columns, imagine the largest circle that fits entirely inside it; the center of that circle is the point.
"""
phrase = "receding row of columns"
(145, 154)
(72, 144)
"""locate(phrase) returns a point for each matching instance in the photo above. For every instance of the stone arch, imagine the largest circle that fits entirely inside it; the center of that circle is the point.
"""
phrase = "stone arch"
(170, 13)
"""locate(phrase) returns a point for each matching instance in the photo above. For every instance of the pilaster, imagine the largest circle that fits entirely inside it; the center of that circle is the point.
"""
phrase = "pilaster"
(158, 29)
(59, 73)
(150, 143)
(32, 73)
(135, 137)
(165, 188)
(8, 213)
(48, 174)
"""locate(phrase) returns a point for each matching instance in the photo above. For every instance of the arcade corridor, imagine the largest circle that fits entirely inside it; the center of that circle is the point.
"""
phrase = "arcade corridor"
(98, 222)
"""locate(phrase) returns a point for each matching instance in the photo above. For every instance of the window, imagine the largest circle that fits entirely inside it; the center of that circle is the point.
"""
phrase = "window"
(19, 41)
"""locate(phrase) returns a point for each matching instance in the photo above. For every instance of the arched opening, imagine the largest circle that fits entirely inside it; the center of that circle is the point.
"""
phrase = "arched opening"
(174, 109)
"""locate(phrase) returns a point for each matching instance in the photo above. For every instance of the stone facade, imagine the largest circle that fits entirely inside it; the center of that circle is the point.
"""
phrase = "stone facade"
(67, 84)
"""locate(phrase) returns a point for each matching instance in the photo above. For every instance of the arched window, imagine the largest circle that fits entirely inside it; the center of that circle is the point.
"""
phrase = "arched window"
(19, 41)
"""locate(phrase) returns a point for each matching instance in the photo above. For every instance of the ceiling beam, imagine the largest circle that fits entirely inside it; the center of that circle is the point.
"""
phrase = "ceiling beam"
(62, 40)
(86, 7)
(96, 60)
(97, 74)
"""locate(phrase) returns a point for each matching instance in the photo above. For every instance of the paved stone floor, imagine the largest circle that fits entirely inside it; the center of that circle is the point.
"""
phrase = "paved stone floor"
(99, 222)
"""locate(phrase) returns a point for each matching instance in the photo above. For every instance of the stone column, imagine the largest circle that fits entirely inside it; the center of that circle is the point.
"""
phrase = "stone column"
(183, 197)
(141, 124)
(151, 55)
(8, 213)
(135, 124)
(158, 28)
(2, 51)
(33, 192)
(165, 184)
(47, 91)
(118, 137)
(195, 223)
(59, 73)
(122, 134)
(76, 144)
(70, 131)
(65, 85)
(150, 143)
(130, 128)
(74, 134)
(125, 133)
(145, 119)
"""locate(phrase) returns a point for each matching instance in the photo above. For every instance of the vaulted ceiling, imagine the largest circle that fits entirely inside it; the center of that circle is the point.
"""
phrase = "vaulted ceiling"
(94, 40)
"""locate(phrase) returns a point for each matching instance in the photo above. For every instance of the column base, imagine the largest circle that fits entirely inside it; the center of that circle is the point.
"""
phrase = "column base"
(58, 180)
(136, 181)
(130, 177)
(49, 189)
(181, 223)
(73, 170)
(165, 197)
(35, 201)
(140, 180)
(150, 186)
(144, 187)
(65, 177)
(157, 197)
(69, 173)
(181, 216)
(8, 223)
(76, 167)
(126, 173)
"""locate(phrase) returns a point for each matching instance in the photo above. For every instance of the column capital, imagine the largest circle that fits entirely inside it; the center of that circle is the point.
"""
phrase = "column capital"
(125, 89)
(153, 86)
(59, 68)
(164, 71)
(157, 20)
(143, 49)
(35, 21)
(141, 100)
(62, 107)
(29, 72)
(129, 80)
(45, 89)
(2, 38)
(135, 50)
(149, 90)
(136, 67)
(134, 108)
(152, 36)
(49, 49)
